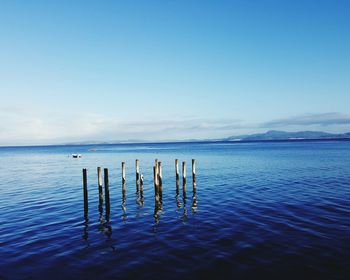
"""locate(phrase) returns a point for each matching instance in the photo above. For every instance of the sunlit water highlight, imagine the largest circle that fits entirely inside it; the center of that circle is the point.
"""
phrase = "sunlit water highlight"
(278, 210)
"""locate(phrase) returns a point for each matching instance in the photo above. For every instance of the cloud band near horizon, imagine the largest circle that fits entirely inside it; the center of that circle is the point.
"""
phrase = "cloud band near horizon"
(21, 126)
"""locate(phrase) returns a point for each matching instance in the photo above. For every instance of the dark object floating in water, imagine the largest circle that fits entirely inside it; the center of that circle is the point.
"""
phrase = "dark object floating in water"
(76, 155)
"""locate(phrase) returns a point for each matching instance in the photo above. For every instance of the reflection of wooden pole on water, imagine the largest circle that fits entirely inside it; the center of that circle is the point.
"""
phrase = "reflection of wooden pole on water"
(107, 193)
(194, 200)
(85, 193)
(124, 204)
(156, 212)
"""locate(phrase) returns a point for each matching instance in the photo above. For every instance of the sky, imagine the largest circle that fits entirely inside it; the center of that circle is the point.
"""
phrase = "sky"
(75, 71)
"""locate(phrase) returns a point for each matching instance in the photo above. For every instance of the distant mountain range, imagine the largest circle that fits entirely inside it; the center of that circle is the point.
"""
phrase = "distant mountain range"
(283, 135)
(272, 135)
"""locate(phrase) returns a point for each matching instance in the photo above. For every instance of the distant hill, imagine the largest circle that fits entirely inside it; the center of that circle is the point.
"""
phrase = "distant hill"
(283, 135)
(267, 136)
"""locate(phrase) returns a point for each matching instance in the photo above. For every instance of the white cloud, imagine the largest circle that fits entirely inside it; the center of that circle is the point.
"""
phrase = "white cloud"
(26, 125)
(325, 119)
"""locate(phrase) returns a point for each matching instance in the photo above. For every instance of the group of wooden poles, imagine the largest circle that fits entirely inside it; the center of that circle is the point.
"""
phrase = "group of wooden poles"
(157, 178)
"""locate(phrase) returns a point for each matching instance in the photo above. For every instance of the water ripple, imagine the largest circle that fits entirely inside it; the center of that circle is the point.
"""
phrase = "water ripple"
(260, 210)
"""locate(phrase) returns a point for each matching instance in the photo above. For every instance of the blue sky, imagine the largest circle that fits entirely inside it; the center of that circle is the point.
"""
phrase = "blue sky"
(116, 70)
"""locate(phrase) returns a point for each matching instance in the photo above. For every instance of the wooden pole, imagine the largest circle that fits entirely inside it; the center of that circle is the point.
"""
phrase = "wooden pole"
(177, 170)
(156, 183)
(194, 173)
(155, 178)
(137, 163)
(156, 191)
(85, 193)
(184, 173)
(141, 199)
(156, 175)
(106, 192)
(123, 173)
(99, 179)
(141, 184)
(177, 175)
(160, 174)
(160, 180)
(184, 178)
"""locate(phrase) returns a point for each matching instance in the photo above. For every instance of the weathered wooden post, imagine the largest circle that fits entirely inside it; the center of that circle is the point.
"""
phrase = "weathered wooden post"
(107, 192)
(156, 191)
(99, 179)
(85, 193)
(184, 178)
(137, 163)
(123, 173)
(123, 177)
(177, 171)
(184, 173)
(141, 184)
(194, 174)
(140, 194)
(160, 180)
(155, 179)
(156, 182)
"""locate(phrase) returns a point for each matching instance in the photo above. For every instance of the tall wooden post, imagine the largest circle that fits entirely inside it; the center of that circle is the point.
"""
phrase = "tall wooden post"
(107, 192)
(123, 173)
(137, 163)
(155, 176)
(177, 170)
(183, 173)
(156, 183)
(99, 180)
(194, 174)
(85, 193)
(160, 178)
(123, 177)
(184, 178)
(141, 184)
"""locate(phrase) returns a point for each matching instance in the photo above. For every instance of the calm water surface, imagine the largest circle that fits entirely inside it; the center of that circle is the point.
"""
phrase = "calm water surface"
(278, 210)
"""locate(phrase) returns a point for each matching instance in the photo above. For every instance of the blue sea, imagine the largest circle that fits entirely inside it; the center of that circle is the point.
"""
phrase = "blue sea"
(263, 210)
